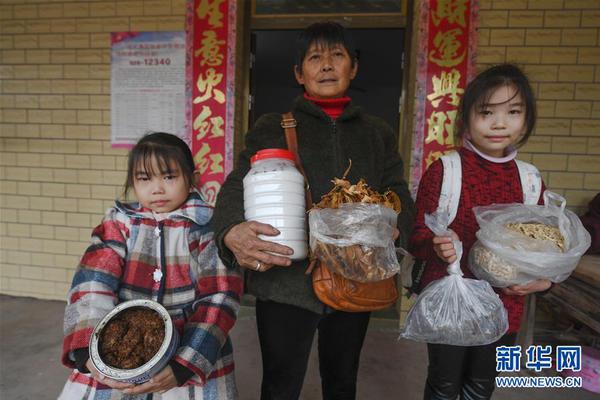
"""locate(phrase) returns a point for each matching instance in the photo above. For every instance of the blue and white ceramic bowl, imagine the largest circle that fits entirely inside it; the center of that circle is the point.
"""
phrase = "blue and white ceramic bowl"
(155, 364)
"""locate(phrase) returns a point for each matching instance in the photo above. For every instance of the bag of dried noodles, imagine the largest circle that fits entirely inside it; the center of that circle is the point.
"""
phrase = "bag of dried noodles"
(519, 243)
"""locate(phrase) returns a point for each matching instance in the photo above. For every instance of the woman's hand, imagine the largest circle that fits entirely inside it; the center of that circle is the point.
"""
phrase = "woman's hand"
(159, 383)
(531, 287)
(104, 380)
(443, 247)
(254, 253)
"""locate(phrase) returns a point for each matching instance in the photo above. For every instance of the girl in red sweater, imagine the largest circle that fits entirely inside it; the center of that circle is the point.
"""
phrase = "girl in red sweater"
(496, 115)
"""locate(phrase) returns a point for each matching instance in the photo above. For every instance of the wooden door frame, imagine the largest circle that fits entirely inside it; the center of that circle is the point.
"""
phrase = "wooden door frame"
(242, 70)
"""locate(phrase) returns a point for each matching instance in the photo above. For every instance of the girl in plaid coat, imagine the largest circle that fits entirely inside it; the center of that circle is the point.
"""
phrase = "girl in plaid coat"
(160, 248)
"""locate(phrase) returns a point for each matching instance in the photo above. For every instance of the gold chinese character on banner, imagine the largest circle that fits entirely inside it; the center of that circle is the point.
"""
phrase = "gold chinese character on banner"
(437, 126)
(210, 9)
(452, 10)
(204, 160)
(446, 85)
(446, 48)
(206, 124)
(209, 49)
(216, 163)
(206, 86)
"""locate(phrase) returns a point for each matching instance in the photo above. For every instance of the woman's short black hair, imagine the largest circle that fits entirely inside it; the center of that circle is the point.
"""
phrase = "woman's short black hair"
(479, 90)
(327, 34)
(167, 149)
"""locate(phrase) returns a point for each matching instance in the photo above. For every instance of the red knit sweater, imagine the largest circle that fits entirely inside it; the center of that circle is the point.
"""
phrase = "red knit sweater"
(332, 107)
(483, 183)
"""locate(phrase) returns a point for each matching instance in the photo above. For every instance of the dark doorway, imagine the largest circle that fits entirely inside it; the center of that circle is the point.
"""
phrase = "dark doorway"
(377, 87)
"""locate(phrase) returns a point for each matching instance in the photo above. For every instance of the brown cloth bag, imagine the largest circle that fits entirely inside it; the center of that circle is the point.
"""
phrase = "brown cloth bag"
(331, 288)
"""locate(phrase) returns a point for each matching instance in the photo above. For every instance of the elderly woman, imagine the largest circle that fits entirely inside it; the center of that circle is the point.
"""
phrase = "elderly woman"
(331, 130)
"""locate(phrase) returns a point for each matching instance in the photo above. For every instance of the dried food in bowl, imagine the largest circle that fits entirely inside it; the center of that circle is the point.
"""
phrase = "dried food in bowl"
(131, 338)
(134, 341)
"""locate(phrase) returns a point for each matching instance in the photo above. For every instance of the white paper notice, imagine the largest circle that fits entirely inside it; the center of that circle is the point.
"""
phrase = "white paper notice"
(147, 85)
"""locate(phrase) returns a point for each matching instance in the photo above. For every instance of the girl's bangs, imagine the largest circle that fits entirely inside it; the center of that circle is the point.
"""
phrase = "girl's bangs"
(484, 100)
(151, 158)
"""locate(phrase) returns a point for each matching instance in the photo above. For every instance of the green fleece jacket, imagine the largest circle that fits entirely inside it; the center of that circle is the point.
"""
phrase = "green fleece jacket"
(325, 146)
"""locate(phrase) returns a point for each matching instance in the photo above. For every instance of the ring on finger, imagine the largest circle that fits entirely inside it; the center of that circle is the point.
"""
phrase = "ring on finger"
(258, 265)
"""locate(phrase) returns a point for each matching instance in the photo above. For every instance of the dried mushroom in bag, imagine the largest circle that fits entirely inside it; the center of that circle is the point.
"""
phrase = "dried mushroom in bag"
(355, 261)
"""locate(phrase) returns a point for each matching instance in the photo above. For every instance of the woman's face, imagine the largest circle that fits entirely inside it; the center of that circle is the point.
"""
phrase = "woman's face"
(326, 72)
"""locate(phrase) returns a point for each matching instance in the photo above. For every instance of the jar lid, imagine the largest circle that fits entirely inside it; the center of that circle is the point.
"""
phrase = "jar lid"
(272, 153)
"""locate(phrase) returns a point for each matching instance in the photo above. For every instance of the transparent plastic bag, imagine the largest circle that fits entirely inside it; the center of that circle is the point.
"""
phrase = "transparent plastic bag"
(455, 310)
(355, 240)
(504, 257)
(406, 267)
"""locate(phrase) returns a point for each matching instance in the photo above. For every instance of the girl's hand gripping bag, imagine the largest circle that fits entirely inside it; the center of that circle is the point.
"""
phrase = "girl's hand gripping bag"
(455, 310)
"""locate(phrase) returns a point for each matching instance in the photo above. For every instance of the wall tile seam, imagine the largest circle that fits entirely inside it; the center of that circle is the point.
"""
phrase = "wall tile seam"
(54, 210)
(93, 185)
(48, 108)
(78, 22)
(61, 48)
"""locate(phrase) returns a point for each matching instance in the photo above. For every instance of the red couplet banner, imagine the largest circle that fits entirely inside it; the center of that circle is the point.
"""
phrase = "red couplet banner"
(445, 63)
(210, 70)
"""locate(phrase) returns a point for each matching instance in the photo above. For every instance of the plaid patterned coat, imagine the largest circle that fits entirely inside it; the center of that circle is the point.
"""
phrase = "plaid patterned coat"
(173, 261)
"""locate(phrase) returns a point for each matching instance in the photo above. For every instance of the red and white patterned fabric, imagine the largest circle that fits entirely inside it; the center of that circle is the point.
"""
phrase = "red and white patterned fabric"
(202, 296)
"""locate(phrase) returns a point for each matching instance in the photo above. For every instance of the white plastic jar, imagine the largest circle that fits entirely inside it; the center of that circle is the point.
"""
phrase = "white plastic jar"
(274, 195)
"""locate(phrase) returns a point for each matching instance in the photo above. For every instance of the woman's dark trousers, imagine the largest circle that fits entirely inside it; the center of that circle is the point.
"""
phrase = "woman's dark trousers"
(466, 371)
(286, 334)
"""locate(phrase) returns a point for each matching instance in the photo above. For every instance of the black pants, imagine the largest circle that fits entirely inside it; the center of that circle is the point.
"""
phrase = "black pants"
(468, 371)
(286, 334)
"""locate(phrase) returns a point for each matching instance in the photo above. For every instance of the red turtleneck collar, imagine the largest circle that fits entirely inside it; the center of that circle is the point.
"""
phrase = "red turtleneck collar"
(332, 107)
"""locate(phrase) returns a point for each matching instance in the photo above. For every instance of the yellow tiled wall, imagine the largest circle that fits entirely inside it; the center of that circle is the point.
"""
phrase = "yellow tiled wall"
(557, 42)
(58, 172)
